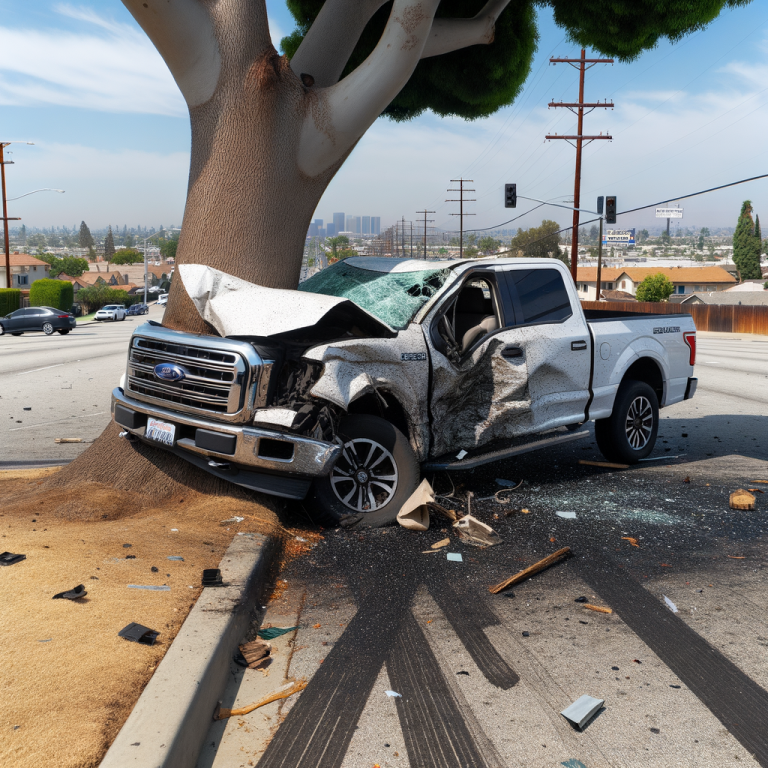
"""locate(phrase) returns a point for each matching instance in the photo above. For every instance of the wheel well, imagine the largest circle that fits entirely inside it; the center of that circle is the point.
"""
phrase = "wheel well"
(390, 409)
(647, 370)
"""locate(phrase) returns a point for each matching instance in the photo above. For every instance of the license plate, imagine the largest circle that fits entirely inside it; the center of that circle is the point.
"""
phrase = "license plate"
(161, 431)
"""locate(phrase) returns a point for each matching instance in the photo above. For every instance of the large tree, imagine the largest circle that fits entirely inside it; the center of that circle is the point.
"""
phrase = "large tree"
(269, 132)
(746, 247)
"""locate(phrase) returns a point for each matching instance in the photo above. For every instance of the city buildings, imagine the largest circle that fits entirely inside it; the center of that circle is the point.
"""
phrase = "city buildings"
(356, 226)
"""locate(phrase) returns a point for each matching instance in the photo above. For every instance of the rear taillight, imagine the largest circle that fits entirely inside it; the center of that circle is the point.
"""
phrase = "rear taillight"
(63, 317)
(690, 340)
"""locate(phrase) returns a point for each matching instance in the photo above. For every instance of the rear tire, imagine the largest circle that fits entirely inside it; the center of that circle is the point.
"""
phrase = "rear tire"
(373, 478)
(48, 329)
(16, 333)
(629, 433)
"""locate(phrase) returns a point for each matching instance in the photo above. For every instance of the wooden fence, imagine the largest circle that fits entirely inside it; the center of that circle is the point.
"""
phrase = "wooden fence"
(737, 318)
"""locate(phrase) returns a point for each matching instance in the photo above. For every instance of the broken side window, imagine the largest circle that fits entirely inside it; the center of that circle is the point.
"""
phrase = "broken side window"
(392, 297)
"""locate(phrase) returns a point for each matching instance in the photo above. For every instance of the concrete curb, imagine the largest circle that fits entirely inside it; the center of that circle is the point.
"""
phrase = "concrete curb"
(169, 723)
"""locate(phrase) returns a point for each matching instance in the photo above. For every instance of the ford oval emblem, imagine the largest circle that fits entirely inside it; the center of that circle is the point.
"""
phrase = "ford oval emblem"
(169, 372)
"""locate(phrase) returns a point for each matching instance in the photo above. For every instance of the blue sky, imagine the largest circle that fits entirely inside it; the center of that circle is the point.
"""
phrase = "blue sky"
(83, 82)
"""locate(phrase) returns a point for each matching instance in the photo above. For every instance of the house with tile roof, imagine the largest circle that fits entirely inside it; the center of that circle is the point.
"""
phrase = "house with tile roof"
(25, 269)
(685, 279)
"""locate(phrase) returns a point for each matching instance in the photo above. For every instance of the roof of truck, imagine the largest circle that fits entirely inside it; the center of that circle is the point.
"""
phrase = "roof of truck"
(384, 264)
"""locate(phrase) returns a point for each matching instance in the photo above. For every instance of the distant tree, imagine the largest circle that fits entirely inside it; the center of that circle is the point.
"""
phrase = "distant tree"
(539, 242)
(168, 247)
(746, 248)
(38, 241)
(643, 235)
(758, 240)
(23, 235)
(54, 241)
(128, 241)
(337, 244)
(594, 233)
(471, 252)
(665, 238)
(127, 256)
(69, 265)
(699, 256)
(655, 288)
(109, 245)
(488, 244)
(470, 238)
(85, 239)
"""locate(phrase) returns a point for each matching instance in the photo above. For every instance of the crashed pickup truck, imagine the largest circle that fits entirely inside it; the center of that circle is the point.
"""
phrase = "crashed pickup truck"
(377, 369)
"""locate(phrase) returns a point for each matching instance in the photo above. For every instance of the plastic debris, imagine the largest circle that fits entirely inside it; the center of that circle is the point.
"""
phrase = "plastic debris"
(455, 557)
(270, 633)
(742, 499)
(530, 570)
(672, 607)
(153, 588)
(598, 608)
(582, 710)
(441, 543)
(461, 454)
(393, 694)
(72, 594)
(212, 578)
(581, 599)
(256, 652)
(573, 763)
(175, 557)
(281, 693)
(137, 633)
(463, 672)
(476, 533)
(508, 483)
(606, 464)
(127, 546)
(526, 634)
(631, 540)
(68, 440)
(234, 519)
(414, 514)
(8, 558)
(566, 515)
(661, 458)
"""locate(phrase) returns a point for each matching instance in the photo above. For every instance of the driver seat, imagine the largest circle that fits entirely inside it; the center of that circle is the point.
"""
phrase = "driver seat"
(474, 317)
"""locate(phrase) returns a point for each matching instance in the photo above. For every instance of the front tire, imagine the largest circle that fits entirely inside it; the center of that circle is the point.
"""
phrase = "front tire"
(47, 329)
(2, 330)
(373, 478)
(629, 433)
(63, 332)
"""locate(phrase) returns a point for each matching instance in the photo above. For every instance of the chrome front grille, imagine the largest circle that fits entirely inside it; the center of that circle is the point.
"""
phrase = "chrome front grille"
(221, 375)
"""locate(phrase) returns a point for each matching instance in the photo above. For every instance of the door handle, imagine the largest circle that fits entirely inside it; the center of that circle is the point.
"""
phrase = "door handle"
(577, 346)
(511, 351)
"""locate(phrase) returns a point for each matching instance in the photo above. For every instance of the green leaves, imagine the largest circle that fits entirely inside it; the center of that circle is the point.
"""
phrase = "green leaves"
(747, 244)
(655, 288)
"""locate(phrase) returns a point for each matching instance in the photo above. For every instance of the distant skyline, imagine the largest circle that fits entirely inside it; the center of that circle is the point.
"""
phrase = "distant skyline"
(109, 126)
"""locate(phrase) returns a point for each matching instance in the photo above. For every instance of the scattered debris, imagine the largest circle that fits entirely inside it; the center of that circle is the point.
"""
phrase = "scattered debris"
(672, 607)
(441, 543)
(235, 519)
(461, 454)
(573, 763)
(631, 540)
(661, 458)
(463, 672)
(255, 652)
(530, 571)
(137, 633)
(759, 481)
(130, 557)
(414, 514)
(45, 641)
(455, 557)
(270, 633)
(154, 588)
(742, 499)
(8, 558)
(27, 407)
(637, 661)
(508, 483)
(316, 626)
(175, 557)
(68, 440)
(127, 546)
(448, 514)
(755, 490)
(394, 694)
(581, 599)
(474, 532)
(526, 511)
(212, 578)
(566, 515)
(606, 464)
(687, 479)
(281, 693)
(430, 551)
(526, 633)
(598, 608)
(737, 557)
(674, 686)
(72, 594)
(154, 569)
(582, 710)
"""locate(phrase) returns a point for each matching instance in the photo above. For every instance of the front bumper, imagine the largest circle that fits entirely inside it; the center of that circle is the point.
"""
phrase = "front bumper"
(277, 463)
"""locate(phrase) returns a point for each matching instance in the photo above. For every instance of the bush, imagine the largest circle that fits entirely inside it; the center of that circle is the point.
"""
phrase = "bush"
(98, 296)
(127, 256)
(655, 288)
(51, 293)
(10, 300)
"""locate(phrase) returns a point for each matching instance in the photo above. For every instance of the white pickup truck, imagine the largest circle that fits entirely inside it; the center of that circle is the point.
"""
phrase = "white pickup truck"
(376, 369)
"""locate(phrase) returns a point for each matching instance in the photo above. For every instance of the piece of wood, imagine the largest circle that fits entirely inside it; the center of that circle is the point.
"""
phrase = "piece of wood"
(68, 440)
(530, 570)
(449, 514)
(606, 464)
(742, 499)
(223, 714)
(441, 543)
(759, 481)
(598, 608)
(255, 652)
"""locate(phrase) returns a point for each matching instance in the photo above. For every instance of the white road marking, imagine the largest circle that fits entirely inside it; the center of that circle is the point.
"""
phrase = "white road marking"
(45, 368)
(57, 421)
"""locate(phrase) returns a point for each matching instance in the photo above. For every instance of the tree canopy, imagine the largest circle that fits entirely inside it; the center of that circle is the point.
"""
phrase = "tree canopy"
(476, 81)
(539, 242)
(655, 288)
(747, 245)
(127, 256)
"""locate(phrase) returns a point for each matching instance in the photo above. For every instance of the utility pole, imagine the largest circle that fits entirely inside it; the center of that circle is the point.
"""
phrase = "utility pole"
(425, 229)
(6, 218)
(461, 213)
(578, 109)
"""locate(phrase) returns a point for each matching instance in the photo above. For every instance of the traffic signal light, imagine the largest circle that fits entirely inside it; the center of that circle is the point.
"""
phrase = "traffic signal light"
(510, 195)
(600, 205)
(610, 209)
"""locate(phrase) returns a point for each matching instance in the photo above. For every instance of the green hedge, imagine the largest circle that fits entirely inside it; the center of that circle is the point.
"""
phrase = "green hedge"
(58, 294)
(10, 300)
(97, 296)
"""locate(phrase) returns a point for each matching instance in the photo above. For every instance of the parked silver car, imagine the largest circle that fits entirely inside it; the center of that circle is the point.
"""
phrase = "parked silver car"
(111, 312)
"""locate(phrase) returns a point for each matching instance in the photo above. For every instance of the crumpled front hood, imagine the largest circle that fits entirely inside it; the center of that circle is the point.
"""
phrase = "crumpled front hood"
(235, 307)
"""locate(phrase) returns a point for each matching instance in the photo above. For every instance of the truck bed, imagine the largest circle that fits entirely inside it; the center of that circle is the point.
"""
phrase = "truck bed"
(598, 315)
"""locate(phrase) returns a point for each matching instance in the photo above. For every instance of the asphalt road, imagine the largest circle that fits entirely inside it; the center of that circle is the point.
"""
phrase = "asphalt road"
(65, 382)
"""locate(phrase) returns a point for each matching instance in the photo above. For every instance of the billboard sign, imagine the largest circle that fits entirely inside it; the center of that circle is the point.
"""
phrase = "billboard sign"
(619, 237)
(669, 213)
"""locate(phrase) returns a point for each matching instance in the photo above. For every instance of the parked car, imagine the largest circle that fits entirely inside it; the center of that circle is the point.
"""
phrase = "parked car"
(162, 299)
(45, 319)
(138, 309)
(381, 369)
(111, 312)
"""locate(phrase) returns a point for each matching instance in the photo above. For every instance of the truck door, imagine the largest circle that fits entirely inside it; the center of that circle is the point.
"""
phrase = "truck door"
(479, 388)
(554, 341)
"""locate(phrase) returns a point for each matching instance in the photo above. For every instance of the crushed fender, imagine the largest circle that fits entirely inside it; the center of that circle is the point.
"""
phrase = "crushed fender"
(742, 499)
(476, 533)
(530, 570)
(281, 693)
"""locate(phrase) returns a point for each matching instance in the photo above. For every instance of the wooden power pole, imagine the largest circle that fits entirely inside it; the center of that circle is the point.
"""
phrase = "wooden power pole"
(425, 229)
(461, 190)
(578, 109)
(6, 219)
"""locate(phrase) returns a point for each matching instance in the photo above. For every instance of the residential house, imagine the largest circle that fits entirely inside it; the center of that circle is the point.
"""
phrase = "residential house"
(685, 279)
(749, 286)
(726, 298)
(25, 269)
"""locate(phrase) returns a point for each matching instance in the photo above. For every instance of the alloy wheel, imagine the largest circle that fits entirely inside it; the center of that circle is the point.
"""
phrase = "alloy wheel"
(638, 425)
(365, 476)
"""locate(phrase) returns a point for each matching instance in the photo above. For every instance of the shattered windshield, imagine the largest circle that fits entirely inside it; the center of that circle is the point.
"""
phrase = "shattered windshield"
(392, 297)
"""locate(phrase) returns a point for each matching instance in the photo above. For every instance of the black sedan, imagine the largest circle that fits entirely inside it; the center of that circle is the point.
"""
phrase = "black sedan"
(138, 309)
(45, 319)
